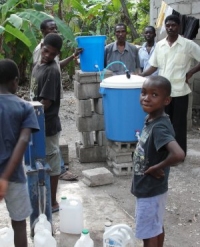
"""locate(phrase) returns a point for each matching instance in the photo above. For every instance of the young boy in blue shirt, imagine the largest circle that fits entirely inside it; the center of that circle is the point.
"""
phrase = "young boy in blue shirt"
(156, 151)
(17, 119)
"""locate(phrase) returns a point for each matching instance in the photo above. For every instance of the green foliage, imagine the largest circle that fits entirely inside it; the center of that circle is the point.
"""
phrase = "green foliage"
(20, 24)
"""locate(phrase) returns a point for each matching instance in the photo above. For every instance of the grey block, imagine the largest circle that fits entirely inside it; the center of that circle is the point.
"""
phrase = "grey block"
(86, 91)
(93, 154)
(85, 77)
(98, 106)
(123, 169)
(97, 176)
(101, 138)
(64, 150)
(87, 139)
(91, 77)
(84, 108)
(85, 124)
(122, 146)
(119, 157)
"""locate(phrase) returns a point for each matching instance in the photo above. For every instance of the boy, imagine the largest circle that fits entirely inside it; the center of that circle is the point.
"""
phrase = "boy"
(49, 26)
(156, 151)
(45, 87)
(17, 119)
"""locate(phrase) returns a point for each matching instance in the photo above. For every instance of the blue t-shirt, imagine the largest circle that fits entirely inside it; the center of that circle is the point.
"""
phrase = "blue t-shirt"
(15, 114)
(150, 151)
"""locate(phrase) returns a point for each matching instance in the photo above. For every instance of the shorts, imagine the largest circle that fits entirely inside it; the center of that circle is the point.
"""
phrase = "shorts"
(149, 214)
(53, 154)
(18, 201)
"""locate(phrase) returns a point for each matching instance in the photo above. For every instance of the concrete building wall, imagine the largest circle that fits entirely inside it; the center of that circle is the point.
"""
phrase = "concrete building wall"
(191, 8)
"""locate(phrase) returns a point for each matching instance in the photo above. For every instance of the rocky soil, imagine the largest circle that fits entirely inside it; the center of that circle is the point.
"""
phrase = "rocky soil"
(182, 221)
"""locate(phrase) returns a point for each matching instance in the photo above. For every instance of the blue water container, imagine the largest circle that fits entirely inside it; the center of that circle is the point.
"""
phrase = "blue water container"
(92, 57)
(123, 114)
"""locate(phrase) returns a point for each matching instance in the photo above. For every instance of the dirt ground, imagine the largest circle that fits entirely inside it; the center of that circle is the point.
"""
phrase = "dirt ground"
(182, 219)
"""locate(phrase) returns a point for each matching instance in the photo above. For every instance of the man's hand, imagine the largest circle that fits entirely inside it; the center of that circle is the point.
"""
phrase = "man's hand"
(3, 188)
(155, 172)
(188, 76)
(78, 51)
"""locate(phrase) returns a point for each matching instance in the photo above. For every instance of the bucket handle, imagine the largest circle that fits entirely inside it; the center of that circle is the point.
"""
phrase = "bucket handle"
(102, 74)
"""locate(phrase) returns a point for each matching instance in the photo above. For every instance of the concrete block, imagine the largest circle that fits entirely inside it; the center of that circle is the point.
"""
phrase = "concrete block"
(101, 138)
(84, 108)
(91, 77)
(185, 9)
(97, 176)
(85, 77)
(92, 154)
(123, 169)
(87, 124)
(118, 157)
(98, 106)
(122, 147)
(64, 149)
(87, 139)
(195, 7)
(109, 162)
(86, 91)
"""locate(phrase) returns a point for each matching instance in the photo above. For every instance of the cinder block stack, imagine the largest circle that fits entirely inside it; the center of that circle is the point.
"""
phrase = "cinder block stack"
(90, 118)
(119, 157)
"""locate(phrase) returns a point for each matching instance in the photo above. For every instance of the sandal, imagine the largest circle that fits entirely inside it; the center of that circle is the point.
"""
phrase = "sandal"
(55, 208)
(68, 176)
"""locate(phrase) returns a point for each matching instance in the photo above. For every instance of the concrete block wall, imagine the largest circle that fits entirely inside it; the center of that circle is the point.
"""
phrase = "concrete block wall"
(93, 145)
(119, 157)
(90, 118)
(191, 8)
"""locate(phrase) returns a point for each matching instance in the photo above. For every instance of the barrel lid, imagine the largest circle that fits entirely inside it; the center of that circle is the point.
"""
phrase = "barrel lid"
(121, 81)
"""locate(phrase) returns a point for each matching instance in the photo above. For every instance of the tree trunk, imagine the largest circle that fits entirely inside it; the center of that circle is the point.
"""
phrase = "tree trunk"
(128, 20)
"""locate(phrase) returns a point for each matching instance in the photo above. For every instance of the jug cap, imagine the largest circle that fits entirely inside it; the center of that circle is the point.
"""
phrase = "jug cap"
(85, 231)
(63, 198)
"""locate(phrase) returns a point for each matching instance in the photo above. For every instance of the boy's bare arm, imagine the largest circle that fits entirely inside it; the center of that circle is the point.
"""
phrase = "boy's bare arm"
(176, 154)
(14, 160)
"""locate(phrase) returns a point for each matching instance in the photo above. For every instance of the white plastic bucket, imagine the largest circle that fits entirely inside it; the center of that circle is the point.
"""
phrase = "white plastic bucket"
(85, 240)
(44, 238)
(6, 237)
(71, 216)
(118, 235)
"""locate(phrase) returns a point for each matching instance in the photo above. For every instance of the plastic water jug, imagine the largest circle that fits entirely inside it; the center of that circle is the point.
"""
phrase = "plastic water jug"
(71, 216)
(84, 240)
(7, 237)
(44, 238)
(43, 223)
(118, 236)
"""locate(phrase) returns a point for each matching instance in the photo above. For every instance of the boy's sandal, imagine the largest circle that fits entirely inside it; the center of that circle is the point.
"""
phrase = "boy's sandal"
(55, 208)
(68, 176)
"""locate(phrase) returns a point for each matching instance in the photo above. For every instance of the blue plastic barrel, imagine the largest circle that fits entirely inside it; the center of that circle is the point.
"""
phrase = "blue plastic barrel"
(123, 114)
(92, 57)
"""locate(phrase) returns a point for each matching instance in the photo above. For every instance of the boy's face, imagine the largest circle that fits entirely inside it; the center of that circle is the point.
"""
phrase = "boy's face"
(149, 34)
(153, 98)
(48, 53)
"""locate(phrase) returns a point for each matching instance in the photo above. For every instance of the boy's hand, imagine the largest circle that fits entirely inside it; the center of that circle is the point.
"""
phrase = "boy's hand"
(78, 51)
(3, 188)
(155, 172)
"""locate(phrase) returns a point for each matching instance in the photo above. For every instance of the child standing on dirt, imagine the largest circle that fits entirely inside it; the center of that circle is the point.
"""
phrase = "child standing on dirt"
(17, 119)
(156, 151)
(45, 87)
